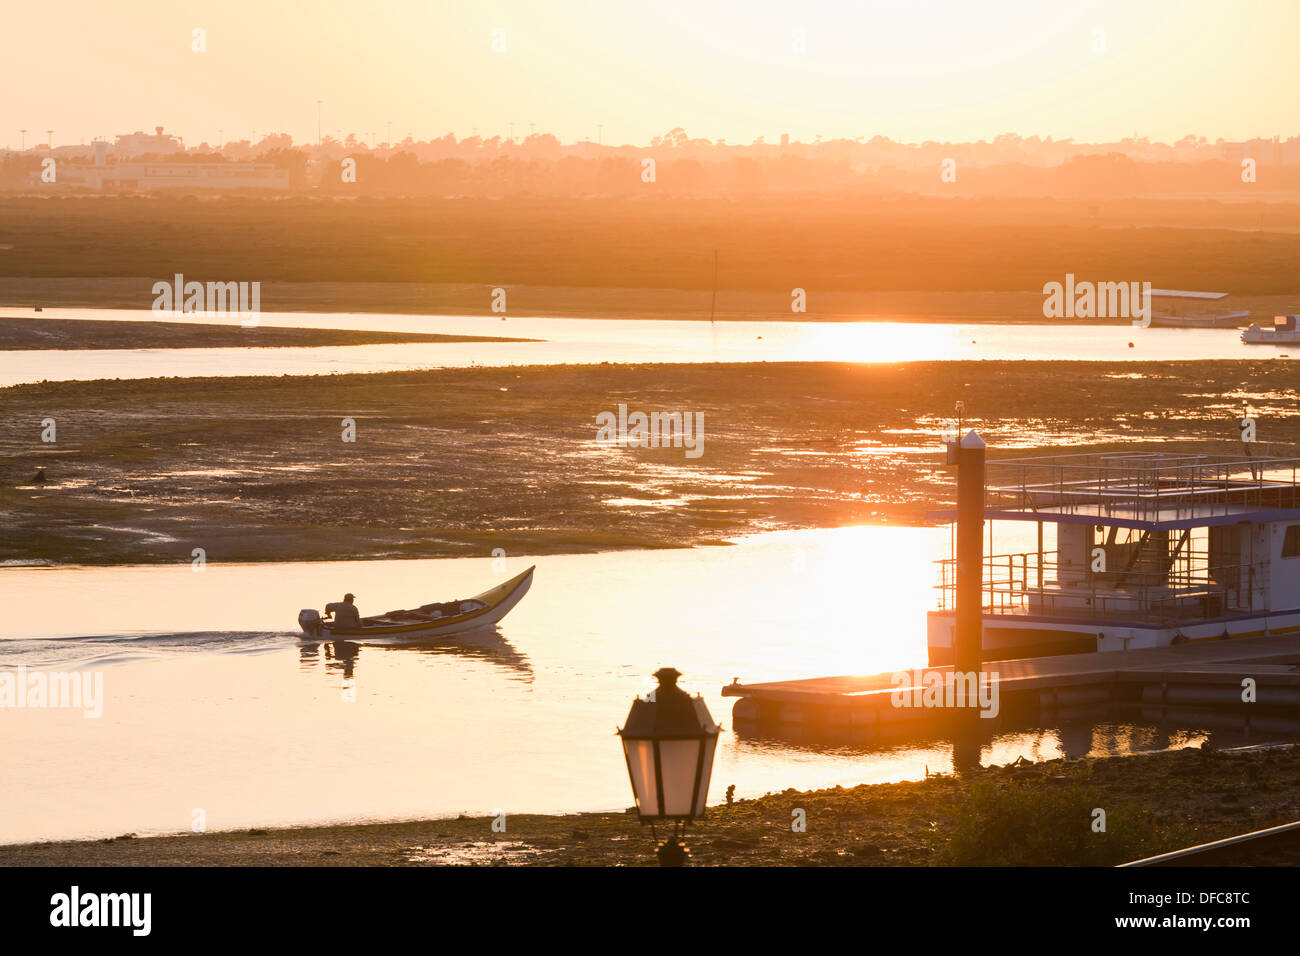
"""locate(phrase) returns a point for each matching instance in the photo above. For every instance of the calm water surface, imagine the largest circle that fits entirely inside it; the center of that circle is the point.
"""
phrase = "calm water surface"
(587, 341)
(212, 703)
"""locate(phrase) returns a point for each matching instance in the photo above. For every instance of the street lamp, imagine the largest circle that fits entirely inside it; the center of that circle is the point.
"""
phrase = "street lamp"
(669, 740)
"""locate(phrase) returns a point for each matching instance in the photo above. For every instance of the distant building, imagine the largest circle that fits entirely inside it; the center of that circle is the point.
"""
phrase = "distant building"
(141, 144)
(200, 176)
(164, 175)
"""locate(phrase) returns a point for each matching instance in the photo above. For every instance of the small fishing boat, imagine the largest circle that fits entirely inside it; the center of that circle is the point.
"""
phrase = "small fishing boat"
(1285, 331)
(427, 620)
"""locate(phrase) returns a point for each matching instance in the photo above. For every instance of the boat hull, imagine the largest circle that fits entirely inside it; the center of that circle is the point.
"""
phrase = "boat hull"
(1285, 331)
(497, 603)
(1229, 320)
(1269, 337)
(1010, 638)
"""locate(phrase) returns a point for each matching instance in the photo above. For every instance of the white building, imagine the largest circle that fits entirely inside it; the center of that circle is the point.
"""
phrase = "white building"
(164, 175)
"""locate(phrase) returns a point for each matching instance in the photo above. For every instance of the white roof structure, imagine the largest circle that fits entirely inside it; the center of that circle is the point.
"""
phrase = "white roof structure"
(1179, 294)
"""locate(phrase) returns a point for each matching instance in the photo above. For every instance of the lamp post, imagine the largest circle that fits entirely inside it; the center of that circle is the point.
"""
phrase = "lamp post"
(669, 740)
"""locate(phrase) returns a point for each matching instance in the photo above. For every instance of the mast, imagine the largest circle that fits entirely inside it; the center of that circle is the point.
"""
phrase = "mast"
(713, 301)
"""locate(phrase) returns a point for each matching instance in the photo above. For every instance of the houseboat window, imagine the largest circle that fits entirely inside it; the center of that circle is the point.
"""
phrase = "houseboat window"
(1291, 543)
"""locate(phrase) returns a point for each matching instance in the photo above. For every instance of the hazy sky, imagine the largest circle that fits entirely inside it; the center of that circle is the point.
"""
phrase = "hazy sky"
(722, 69)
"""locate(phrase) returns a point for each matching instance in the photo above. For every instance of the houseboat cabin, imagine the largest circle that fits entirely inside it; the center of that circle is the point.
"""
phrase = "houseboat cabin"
(1149, 549)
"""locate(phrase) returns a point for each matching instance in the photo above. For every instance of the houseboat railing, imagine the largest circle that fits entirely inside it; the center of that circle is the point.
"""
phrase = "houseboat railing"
(1189, 587)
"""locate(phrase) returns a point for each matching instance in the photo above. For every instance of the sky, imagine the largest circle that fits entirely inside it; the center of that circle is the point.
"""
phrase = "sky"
(625, 71)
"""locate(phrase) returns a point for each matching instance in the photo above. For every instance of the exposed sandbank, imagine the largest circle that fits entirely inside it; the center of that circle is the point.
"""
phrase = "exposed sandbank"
(458, 462)
(41, 333)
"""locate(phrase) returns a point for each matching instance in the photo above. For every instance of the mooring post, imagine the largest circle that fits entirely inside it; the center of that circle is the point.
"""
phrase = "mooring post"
(967, 645)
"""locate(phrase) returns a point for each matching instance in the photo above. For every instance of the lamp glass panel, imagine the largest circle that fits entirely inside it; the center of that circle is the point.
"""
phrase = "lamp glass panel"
(702, 796)
(678, 760)
(641, 762)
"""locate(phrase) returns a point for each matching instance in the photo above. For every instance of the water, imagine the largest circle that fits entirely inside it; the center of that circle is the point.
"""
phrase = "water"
(212, 703)
(587, 341)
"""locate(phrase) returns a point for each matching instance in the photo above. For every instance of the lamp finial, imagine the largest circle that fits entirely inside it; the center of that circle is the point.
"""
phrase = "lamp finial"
(667, 676)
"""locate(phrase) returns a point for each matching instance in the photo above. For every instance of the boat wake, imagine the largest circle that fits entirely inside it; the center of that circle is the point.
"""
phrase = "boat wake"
(101, 649)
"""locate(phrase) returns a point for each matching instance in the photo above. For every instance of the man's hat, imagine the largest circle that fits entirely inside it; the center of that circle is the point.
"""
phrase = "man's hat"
(349, 596)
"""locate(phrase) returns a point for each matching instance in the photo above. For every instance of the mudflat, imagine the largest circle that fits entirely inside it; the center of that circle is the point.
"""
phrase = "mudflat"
(457, 462)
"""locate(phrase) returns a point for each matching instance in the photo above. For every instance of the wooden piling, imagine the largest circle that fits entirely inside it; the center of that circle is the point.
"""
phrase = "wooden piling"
(968, 638)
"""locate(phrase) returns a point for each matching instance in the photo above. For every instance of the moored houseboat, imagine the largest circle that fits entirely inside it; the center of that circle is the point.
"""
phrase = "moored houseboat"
(1148, 550)
(1181, 309)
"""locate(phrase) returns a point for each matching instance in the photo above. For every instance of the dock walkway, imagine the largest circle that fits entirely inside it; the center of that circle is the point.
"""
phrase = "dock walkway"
(1205, 674)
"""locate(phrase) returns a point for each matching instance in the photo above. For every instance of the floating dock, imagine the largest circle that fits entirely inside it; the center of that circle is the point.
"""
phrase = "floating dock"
(1205, 676)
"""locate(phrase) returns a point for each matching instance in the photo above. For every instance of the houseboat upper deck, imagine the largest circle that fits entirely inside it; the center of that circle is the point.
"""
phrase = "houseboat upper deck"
(1142, 489)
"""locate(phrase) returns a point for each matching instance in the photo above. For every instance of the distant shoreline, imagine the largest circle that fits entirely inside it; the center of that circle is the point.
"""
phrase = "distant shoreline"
(656, 254)
(19, 298)
(534, 301)
(22, 333)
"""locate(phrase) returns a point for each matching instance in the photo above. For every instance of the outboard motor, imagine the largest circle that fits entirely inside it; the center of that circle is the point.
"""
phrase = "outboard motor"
(309, 621)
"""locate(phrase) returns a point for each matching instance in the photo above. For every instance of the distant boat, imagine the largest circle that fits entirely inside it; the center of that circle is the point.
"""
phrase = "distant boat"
(428, 620)
(1228, 320)
(1195, 320)
(1285, 331)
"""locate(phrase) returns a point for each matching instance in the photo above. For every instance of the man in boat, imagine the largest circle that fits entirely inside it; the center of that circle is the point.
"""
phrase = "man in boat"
(345, 612)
